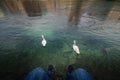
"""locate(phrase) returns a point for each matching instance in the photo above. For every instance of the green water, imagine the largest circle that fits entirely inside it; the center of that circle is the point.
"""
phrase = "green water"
(21, 49)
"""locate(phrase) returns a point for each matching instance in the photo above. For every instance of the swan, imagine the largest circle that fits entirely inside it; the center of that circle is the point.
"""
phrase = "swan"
(75, 47)
(44, 42)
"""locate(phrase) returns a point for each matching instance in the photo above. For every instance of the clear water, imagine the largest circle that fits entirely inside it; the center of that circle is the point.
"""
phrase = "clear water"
(21, 49)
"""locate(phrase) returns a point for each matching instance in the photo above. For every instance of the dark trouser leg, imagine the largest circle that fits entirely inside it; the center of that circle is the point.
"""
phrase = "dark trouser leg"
(39, 74)
(79, 74)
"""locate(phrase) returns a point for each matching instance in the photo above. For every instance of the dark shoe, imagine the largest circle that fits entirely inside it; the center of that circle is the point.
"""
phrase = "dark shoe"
(70, 69)
(51, 68)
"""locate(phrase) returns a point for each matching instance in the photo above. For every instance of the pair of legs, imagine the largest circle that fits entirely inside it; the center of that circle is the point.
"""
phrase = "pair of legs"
(41, 74)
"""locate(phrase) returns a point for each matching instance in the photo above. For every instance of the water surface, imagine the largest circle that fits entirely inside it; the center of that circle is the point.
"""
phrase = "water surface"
(21, 49)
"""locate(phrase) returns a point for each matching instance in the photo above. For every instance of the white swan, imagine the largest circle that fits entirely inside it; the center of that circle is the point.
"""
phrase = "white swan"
(76, 48)
(44, 42)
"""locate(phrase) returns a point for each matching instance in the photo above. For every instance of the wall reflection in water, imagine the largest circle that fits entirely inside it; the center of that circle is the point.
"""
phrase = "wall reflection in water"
(74, 9)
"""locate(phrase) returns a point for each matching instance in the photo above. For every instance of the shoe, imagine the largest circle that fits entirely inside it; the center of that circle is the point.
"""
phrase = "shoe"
(70, 69)
(51, 68)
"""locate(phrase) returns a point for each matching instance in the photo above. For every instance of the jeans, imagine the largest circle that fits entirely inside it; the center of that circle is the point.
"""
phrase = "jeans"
(40, 74)
(79, 74)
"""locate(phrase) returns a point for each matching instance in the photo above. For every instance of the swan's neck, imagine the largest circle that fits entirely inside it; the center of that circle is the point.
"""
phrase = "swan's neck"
(74, 42)
(43, 37)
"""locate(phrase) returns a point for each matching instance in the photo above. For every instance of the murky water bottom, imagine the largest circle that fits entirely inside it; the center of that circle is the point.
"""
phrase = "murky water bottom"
(21, 49)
